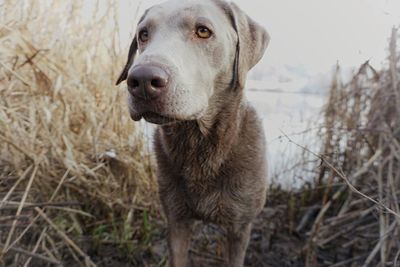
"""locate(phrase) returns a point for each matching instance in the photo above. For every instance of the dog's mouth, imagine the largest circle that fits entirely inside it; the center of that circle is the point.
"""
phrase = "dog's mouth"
(153, 117)
(140, 111)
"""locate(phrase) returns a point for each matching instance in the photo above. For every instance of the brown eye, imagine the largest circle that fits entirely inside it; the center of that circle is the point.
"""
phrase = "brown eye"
(203, 32)
(143, 35)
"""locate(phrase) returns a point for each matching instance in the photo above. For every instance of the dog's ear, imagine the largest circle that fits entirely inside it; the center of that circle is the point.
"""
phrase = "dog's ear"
(131, 56)
(252, 41)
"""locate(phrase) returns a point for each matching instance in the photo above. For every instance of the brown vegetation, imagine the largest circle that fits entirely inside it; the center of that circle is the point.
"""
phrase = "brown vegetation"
(72, 164)
(358, 223)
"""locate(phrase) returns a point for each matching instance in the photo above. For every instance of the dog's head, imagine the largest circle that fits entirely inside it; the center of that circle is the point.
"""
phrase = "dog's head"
(186, 52)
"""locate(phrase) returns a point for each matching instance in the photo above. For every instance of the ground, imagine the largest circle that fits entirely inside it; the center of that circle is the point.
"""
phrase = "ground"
(272, 244)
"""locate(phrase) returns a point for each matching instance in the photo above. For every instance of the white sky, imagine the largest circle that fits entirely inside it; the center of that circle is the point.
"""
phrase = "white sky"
(317, 33)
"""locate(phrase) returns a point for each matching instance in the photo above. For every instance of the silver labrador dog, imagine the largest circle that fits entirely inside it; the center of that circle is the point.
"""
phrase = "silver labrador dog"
(186, 71)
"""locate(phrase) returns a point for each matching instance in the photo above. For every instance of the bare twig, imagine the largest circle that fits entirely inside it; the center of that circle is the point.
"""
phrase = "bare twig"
(379, 245)
(27, 189)
(33, 255)
(357, 174)
(66, 238)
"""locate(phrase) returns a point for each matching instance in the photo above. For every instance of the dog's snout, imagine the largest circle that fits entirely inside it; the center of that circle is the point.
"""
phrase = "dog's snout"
(147, 82)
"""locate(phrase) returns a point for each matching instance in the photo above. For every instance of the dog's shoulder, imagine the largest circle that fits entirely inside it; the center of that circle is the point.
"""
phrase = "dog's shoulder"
(251, 125)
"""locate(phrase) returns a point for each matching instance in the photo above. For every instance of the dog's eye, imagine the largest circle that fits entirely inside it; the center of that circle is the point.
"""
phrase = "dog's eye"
(203, 32)
(143, 35)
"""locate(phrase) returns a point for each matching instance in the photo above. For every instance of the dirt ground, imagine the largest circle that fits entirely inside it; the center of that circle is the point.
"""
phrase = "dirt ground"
(272, 244)
(280, 238)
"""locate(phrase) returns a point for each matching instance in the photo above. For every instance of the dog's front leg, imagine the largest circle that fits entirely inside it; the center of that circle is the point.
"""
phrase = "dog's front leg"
(179, 242)
(238, 240)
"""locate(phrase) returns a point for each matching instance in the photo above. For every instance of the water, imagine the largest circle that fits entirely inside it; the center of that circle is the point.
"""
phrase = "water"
(292, 114)
(287, 115)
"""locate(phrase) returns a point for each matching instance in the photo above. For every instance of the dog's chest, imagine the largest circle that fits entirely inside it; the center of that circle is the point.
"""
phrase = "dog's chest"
(202, 177)
(211, 202)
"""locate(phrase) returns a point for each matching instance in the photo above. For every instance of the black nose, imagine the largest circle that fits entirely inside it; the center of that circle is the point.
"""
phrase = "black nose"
(147, 82)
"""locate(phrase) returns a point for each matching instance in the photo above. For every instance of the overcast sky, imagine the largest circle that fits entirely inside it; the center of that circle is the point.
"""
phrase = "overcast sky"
(317, 33)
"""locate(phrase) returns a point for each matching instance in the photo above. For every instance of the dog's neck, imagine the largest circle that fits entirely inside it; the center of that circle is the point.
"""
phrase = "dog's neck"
(201, 147)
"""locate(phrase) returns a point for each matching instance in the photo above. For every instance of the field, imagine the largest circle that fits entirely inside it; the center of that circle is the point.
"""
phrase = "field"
(77, 177)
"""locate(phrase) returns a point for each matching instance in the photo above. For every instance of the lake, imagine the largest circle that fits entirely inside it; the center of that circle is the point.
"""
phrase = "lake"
(290, 113)
(295, 115)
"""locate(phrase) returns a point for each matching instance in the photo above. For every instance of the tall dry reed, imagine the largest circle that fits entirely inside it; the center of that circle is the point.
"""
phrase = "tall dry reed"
(359, 220)
(72, 164)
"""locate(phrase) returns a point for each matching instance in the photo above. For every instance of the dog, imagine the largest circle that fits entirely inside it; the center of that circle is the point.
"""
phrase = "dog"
(186, 72)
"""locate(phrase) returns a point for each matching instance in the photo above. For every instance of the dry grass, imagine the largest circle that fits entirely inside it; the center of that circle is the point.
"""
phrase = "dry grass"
(358, 223)
(72, 163)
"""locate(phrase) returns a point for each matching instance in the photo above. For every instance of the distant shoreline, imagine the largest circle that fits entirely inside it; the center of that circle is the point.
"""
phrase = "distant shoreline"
(284, 92)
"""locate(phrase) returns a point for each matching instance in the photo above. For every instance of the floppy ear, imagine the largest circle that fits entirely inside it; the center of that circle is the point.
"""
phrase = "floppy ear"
(131, 56)
(252, 41)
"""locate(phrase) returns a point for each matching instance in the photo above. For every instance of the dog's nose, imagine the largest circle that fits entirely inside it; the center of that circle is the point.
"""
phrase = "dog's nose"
(147, 82)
